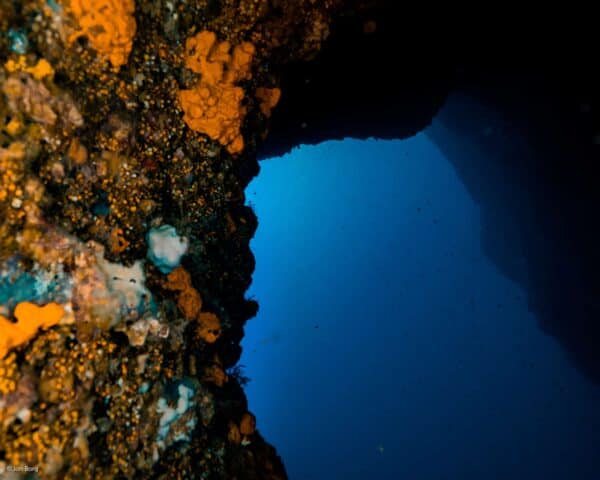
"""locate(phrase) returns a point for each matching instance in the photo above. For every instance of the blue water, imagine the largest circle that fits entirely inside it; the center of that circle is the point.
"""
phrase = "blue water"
(388, 346)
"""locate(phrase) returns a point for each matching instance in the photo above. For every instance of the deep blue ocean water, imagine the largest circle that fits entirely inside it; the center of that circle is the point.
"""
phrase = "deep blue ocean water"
(388, 345)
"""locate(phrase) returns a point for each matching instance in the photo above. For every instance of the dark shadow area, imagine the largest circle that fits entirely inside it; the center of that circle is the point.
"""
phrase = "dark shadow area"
(539, 191)
(364, 83)
(538, 206)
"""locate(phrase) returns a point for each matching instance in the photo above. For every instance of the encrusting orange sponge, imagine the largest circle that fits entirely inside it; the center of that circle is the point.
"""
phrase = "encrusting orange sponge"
(248, 424)
(30, 318)
(214, 106)
(209, 329)
(109, 25)
(189, 300)
(39, 71)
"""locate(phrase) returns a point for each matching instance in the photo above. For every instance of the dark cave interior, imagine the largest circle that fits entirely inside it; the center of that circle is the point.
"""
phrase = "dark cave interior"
(385, 73)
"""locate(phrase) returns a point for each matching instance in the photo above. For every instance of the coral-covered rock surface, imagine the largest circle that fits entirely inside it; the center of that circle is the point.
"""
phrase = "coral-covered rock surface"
(128, 132)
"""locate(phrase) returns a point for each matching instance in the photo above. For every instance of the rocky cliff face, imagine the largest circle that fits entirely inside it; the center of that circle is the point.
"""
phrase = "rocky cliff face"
(121, 119)
(129, 132)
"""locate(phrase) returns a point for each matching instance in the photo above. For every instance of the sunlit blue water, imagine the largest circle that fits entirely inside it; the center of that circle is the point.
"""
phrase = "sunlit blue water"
(387, 345)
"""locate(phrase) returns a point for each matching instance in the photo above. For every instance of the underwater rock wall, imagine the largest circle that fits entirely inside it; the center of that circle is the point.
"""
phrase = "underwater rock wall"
(128, 132)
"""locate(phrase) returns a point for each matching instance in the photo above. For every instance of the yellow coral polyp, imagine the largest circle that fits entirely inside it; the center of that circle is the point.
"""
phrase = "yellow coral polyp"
(13, 127)
(39, 71)
(109, 25)
(10, 171)
(8, 375)
(214, 106)
(30, 319)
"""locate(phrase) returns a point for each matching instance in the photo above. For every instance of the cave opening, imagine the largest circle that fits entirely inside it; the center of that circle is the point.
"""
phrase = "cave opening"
(408, 293)
(519, 132)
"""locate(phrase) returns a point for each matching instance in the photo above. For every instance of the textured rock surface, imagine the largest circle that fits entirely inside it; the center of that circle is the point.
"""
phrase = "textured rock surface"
(117, 118)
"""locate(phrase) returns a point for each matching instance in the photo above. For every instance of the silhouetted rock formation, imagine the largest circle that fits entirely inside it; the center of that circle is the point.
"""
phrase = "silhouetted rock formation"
(386, 71)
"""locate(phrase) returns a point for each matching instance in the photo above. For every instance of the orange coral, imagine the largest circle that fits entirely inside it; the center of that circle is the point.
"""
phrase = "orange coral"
(215, 374)
(10, 173)
(214, 106)
(118, 243)
(30, 318)
(210, 327)
(239, 434)
(40, 70)
(248, 424)
(215, 62)
(9, 371)
(77, 152)
(189, 300)
(178, 279)
(13, 127)
(234, 435)
(269, 98)
(109, 26)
